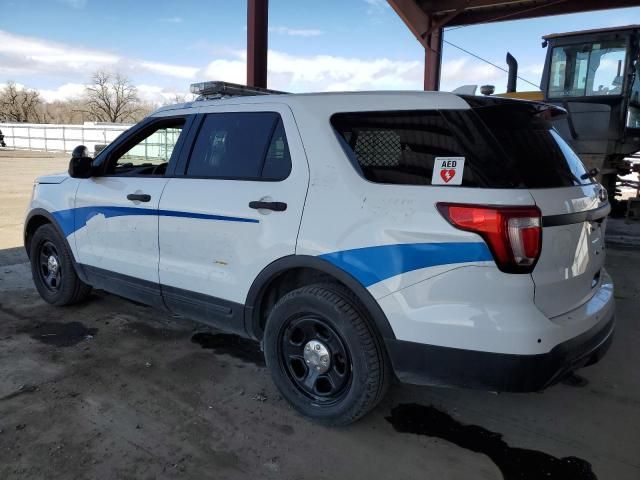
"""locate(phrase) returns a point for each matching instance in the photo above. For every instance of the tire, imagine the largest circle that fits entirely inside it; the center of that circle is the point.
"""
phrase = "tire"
(56, 280)
(355, 377)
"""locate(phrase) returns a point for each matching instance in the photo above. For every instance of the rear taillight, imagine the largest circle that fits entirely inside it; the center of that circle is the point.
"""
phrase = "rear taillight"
(513, 234)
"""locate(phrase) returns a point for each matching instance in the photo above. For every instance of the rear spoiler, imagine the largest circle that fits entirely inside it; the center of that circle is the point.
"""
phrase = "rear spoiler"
(541, 109)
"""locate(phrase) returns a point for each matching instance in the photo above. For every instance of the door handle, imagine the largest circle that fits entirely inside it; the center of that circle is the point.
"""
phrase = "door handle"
(275, 206)
(140, 197)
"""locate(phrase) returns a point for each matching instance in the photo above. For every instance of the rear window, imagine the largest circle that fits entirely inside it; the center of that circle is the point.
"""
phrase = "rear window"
(541, 156)
(504, 146)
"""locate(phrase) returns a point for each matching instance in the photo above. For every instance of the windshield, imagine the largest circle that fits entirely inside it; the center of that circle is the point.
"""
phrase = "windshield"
(587, 69)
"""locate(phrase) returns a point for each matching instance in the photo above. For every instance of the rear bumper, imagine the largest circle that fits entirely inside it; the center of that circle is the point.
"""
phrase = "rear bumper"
(423, 364)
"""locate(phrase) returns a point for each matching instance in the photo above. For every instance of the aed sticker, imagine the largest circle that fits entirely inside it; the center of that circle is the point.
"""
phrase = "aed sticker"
(447, 171)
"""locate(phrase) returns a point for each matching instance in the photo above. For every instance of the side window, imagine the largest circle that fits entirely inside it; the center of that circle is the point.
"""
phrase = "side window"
(148, 154)
(277, 164)
(398, 147)
(241, 145)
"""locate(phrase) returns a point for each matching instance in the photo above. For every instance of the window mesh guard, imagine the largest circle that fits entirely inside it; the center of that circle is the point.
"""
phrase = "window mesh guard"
(378, 148)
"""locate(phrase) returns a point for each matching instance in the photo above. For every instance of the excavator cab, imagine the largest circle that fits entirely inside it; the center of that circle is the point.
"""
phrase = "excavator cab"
(595, 76)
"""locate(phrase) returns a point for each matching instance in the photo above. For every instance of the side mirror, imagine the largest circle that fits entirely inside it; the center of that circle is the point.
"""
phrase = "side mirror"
(81, 163)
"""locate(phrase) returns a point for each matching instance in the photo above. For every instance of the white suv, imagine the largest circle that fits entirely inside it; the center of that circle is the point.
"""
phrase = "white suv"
(443, 239)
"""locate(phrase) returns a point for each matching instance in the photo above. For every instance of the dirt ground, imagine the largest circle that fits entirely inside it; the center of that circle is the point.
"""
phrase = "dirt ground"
(18, 169)
(112, 389)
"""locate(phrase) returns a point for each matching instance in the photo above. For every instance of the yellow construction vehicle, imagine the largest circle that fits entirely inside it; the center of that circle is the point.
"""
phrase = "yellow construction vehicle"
(595, 76)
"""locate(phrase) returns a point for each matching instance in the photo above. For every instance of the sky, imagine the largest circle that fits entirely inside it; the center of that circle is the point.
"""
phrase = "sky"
(164, 45)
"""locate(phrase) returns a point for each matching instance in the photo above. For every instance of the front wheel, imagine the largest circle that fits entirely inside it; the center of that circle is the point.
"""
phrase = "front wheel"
(52, 269)
(324, 356)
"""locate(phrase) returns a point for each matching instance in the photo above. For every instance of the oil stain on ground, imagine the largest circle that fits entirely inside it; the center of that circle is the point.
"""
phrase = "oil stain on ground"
(234, 345)
(61, 334)
(514, 463)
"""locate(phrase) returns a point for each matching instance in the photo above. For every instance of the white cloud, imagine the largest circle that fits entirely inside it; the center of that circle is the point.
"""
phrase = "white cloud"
(311, 73)
(67, 91)
(296, 32)
(322, 72)
(465, 71)
(21, 55)
(461, 71)
(170, 70)
(226, 70)
(160, 95)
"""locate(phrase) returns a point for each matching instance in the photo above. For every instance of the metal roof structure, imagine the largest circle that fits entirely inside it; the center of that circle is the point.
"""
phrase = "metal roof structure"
(596, 30)
(426, 19)
(472, 12)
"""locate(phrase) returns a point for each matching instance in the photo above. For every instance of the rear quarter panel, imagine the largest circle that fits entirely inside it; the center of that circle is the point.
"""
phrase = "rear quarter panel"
(344, 211)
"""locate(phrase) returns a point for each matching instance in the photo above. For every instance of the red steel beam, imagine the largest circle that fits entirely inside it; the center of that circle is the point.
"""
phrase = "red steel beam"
(433, 60)
(257, 38)
(429, 33)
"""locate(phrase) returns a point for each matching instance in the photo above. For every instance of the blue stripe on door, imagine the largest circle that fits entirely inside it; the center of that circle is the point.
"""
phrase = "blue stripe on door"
(75, 218)
(371, 265)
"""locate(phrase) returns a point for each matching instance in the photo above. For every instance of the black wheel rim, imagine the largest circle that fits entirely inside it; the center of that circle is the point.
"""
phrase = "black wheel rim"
(327, 384)
(49, 266)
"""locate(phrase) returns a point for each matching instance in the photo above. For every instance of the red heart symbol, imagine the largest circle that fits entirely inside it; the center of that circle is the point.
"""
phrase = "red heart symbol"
(447, 175)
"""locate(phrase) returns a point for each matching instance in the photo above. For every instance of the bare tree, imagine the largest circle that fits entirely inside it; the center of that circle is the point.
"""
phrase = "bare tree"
(19, 104)
(111, 97)
(64, 111)
(179, 98)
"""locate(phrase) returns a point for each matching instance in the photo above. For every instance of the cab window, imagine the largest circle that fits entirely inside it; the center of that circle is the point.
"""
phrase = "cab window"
(587, 69)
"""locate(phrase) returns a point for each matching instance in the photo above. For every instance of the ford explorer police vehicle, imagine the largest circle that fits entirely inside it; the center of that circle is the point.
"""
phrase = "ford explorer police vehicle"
(360, 237)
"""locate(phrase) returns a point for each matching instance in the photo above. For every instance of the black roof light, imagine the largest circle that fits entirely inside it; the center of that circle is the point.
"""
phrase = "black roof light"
(216, 89)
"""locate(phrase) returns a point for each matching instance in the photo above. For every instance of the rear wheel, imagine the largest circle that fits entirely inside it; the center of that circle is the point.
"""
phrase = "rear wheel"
(52, 269)
(324, 356)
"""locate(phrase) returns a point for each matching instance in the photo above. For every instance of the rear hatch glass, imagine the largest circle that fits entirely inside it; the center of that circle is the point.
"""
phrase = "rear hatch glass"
(505, 145)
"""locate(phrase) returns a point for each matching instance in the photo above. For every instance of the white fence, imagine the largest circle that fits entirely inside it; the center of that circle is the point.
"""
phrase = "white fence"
(59, 138)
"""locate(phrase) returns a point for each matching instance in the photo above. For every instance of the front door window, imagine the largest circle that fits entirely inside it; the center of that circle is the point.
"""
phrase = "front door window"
(149, 153)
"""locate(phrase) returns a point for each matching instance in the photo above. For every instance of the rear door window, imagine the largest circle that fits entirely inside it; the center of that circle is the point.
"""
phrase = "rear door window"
(240, 146)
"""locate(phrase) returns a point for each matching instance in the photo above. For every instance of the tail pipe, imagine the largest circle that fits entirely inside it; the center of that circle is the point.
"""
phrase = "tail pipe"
(513, 73)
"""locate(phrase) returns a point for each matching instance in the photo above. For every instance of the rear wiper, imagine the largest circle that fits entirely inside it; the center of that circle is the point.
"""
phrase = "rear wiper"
(593, 173)
(570, 176)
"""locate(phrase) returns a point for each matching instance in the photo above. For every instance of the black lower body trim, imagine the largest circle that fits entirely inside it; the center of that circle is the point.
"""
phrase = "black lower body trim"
(423, 364)
(212, 311)
(135, 289)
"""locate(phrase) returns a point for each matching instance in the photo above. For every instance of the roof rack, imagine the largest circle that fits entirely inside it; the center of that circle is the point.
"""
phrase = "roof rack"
(217, 90)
